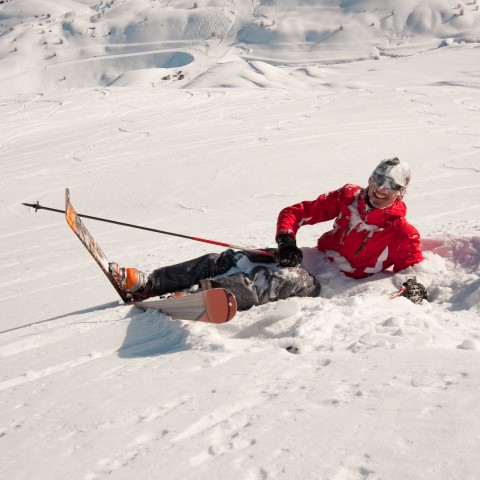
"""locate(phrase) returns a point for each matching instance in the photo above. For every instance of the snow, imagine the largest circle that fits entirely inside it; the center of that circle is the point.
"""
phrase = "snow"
(207, 121)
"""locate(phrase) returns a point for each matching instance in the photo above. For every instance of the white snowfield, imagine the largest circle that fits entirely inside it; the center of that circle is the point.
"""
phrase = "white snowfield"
(207, 118)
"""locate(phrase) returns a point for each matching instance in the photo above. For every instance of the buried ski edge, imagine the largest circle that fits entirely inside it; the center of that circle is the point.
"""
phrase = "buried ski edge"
(212, 306)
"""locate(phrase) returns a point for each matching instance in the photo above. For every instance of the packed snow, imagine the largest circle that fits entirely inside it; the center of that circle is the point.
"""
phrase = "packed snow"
(207, 118)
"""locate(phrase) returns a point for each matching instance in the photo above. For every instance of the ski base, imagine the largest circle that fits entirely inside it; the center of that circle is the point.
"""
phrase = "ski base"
(212, 306)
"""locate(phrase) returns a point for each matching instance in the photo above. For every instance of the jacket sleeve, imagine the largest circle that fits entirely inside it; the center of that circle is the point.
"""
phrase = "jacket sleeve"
(408, 251)
(325, 207)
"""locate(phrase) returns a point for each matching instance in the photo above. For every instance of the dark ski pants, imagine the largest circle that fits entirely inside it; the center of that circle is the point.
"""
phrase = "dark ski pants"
(263, 284)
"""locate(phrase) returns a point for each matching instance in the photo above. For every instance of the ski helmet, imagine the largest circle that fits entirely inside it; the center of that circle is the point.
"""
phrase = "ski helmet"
(391, 174)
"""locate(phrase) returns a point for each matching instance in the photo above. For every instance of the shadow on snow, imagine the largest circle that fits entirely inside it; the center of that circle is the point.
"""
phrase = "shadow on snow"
(151, 334)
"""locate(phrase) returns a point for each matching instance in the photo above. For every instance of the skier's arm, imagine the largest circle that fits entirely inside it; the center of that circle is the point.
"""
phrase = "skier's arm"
(290, 219)
(324, 208)
(408, 251)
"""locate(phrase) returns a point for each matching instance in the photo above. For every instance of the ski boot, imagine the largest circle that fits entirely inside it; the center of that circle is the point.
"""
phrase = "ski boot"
(130, 279)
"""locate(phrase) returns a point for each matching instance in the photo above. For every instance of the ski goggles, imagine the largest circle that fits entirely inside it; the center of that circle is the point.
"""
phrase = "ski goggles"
(381, 181)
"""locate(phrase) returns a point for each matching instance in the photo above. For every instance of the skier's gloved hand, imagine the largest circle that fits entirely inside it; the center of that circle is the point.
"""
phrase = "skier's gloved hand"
(414, 291)
(288, 254)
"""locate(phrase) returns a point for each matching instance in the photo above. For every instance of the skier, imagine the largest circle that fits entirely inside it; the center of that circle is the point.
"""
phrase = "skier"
(370, 234)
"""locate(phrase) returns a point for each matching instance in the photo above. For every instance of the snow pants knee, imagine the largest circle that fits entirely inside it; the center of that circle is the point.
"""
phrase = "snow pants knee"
(263, 284)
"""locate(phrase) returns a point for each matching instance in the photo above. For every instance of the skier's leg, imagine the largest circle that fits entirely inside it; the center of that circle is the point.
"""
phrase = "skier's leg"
(240, 285)
(185, 275)
(264, 285)
(283, 283)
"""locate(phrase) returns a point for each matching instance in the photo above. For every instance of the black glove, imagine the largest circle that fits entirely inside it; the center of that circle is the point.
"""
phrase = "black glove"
(414, 291)
(288, 254)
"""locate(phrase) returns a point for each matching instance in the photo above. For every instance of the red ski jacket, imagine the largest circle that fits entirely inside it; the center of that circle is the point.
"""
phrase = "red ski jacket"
(364, 240)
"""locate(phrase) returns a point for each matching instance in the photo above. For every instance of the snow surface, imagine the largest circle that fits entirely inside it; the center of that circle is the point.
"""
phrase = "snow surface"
(207, 121)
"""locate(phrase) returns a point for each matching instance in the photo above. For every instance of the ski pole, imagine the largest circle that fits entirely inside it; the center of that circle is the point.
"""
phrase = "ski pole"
(37, 207)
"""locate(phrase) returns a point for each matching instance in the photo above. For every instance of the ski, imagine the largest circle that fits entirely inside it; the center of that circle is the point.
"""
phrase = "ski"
(212, 306)
(80, 230)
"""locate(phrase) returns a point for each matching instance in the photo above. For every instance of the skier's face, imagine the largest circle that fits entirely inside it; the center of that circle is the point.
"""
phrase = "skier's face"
(383, 190)
(380, 197)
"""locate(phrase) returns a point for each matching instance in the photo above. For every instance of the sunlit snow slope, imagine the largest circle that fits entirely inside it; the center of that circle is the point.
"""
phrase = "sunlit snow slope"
(206, 118)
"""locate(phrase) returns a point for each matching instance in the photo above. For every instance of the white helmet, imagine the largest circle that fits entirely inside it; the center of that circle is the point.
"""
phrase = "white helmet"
(391, 174)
